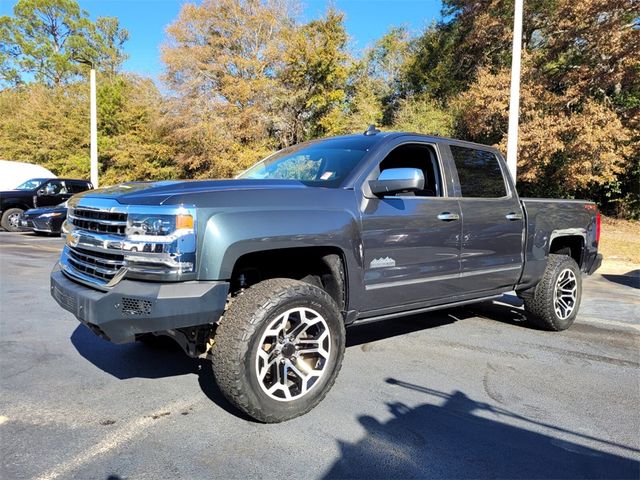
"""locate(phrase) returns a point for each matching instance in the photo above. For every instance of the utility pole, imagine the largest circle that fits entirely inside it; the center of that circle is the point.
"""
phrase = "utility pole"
(514, 97)
(94, 130)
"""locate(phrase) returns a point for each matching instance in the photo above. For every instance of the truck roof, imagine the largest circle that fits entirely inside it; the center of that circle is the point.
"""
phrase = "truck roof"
(395, 134)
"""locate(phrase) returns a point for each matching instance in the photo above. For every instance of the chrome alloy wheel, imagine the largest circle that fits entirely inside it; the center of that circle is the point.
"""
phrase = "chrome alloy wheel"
(14, 220)
(565, 294)
(293, 354)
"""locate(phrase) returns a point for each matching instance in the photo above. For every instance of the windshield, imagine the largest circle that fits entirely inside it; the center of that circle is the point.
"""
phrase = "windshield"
(31, 184)
(326, 163)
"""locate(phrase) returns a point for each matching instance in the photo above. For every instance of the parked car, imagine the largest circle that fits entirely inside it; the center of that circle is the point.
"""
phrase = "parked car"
(46, 220)
(261, 274)
(36, 193)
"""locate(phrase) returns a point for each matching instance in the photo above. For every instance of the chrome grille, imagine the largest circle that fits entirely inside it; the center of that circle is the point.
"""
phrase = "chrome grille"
(99, 221)
(101, 265)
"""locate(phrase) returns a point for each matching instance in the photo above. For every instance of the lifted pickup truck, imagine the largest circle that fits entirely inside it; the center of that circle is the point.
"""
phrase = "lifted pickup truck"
(261, 274)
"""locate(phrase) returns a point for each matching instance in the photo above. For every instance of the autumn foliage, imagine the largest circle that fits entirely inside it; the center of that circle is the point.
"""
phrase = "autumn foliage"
(246, 77)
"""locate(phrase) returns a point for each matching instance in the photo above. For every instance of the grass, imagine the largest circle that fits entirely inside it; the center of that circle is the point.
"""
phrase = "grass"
(620, 240)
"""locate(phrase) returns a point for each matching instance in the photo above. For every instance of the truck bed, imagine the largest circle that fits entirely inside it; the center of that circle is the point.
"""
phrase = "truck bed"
(547, 219)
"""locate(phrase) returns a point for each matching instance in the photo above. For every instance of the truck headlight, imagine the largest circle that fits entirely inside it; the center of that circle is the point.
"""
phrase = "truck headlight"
(157, 225)
(160, 245)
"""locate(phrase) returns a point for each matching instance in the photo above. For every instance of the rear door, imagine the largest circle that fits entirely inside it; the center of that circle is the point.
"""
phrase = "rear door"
(492, 221)
(77, 186)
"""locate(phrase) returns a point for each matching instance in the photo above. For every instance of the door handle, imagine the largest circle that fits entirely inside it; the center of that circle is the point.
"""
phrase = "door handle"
(448, 217)
(513, 216)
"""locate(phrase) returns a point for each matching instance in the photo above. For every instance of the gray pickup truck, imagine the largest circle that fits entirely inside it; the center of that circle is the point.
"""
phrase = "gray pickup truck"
(261, 274)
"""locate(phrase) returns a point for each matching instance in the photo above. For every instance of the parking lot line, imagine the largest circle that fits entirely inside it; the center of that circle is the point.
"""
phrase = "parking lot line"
(36, 247)
(122, 435)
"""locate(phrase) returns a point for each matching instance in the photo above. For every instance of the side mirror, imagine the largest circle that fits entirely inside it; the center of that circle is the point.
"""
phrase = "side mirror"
(40, 192)
(396, 180)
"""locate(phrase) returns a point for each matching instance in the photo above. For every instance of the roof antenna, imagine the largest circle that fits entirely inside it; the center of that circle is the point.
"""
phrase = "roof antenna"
(371, 130)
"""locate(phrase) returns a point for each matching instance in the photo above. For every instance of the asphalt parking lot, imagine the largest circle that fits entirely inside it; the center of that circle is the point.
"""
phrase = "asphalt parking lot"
(463, 393)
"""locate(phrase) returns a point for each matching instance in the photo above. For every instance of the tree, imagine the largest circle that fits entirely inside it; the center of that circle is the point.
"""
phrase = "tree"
(133, 131)
(47, 40)
(365, 105)
(421, 114)
(561, 152)
(580, 89)
(313, 80)
(222, 59)
(48, 126)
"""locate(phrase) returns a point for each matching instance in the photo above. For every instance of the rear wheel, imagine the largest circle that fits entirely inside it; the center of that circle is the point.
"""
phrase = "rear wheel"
(556, 299)
(11, 219)
(278, 349)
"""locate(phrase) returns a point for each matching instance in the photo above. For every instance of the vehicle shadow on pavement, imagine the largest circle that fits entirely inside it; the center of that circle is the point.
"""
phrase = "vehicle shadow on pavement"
(372, 332)
(447, 439)
(629, 279)
(141, 361)
(507, 309)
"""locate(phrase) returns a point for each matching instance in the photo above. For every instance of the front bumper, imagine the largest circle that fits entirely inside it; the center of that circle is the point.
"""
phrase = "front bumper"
(37, 225)
(132, 308)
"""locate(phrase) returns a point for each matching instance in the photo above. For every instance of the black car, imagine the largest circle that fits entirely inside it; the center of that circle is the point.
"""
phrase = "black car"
(45, 220)
(37, 193)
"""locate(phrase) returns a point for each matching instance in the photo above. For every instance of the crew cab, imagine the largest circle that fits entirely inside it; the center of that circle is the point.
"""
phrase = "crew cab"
(36, 193)
(262, 273)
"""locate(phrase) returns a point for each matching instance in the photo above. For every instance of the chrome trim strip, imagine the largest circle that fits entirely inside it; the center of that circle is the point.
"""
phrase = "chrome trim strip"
(104, 271)
(98, 259)
(401, 283)
(80, 277)
(117, 277)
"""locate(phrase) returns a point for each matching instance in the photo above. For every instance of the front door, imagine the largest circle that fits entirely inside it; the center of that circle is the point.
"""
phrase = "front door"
(411, 243)
(52, 193)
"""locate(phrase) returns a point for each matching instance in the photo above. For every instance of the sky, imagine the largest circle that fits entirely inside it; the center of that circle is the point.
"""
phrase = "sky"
(366, 21)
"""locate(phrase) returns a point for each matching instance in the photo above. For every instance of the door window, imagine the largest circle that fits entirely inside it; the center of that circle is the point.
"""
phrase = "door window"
(55, 187)
(479, 173)
(77, 187)
(422, 157)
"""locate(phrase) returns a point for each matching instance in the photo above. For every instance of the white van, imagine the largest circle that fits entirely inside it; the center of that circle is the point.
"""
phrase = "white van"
(13, 174)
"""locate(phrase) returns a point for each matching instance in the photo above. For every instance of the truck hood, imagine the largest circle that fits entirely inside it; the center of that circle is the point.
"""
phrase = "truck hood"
(159, 193)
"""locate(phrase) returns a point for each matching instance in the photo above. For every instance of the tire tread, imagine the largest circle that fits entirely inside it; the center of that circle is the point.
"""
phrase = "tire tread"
(234, 334)
(540, 304)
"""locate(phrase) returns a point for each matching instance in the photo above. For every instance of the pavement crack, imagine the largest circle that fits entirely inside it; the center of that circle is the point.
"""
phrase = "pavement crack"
(488, 389)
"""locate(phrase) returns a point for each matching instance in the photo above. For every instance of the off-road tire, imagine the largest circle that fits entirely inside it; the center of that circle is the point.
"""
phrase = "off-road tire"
(6, 222)
(237, 341)
(540, 304)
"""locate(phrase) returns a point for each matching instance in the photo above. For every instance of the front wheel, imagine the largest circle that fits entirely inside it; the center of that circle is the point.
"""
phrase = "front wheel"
(278, 349)
(11, 219)
(556, 299)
